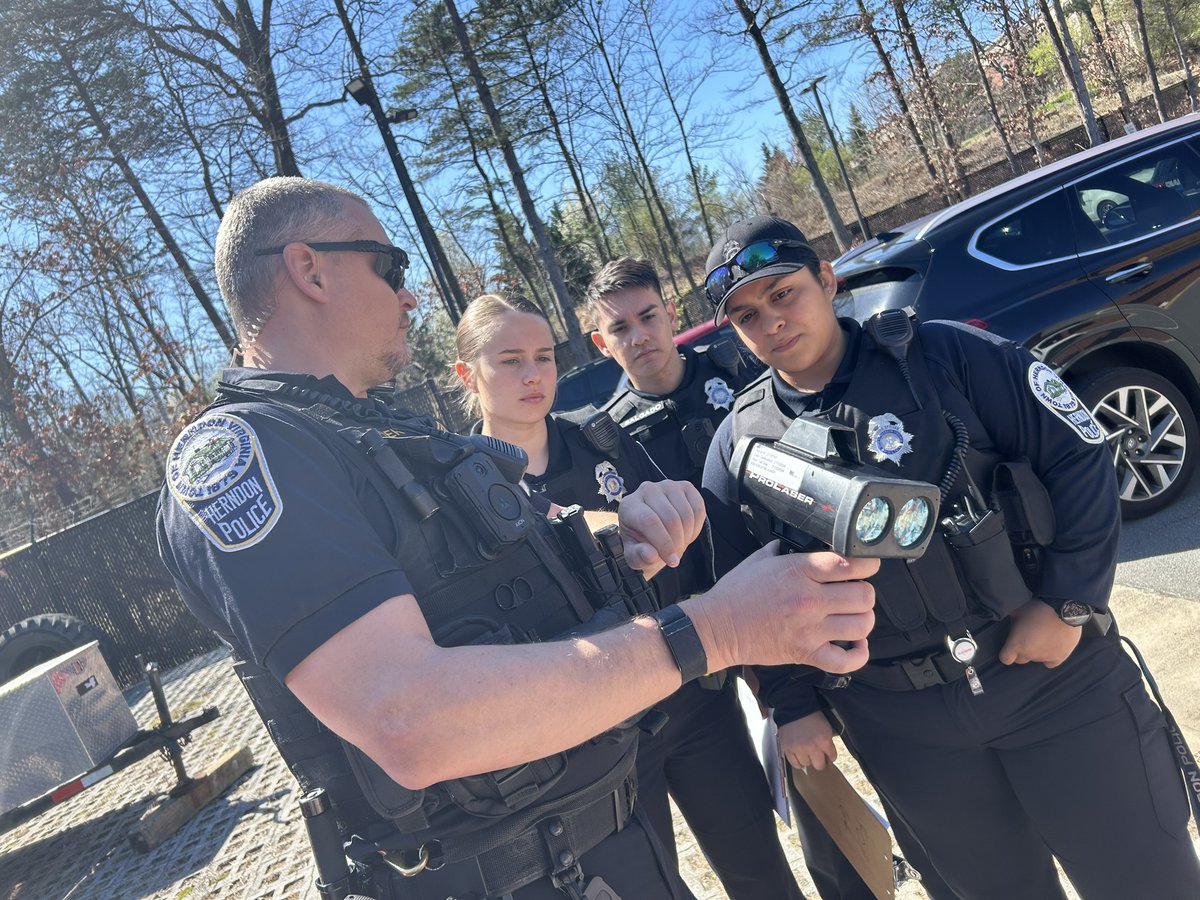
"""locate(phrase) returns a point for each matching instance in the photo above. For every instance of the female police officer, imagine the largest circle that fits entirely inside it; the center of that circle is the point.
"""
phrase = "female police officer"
(703, 754)
(1001, 734)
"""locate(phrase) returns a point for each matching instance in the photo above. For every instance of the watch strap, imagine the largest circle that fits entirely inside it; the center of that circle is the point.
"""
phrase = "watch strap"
(685, 645)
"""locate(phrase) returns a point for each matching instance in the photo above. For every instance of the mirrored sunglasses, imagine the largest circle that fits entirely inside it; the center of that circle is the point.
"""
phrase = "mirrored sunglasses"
(720, 281)
(390, 262)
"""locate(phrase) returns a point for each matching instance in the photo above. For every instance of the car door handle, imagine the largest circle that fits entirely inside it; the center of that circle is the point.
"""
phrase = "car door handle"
(1131, 273)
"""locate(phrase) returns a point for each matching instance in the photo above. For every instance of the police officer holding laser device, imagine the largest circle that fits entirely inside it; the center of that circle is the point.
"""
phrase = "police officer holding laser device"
(416, 638)
(991, 718)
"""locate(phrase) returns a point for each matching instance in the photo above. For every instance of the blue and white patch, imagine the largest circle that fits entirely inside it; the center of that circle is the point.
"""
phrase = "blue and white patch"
(718, 393)
(889, 440)
(217, 473)
(1052, 392)
(612, 485)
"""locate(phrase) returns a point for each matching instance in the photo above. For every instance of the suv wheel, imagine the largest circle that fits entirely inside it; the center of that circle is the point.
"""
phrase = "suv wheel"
(1151, 432)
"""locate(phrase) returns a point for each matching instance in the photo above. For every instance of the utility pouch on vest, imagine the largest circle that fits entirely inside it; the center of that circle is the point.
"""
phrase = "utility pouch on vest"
(939, 592)
(387, 797)
(697, 435)
(984, 558)
(1025, 502)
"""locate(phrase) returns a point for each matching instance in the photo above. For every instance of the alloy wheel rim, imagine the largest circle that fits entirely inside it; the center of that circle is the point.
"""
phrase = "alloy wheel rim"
(1145, 435)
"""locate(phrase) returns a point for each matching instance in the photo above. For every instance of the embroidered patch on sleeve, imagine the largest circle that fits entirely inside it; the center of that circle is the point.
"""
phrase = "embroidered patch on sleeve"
(1052, 392)
(216, 471)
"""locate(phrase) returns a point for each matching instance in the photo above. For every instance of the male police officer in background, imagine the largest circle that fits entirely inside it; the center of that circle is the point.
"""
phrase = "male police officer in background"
(677, 396)
(391, 598)
(991, 723)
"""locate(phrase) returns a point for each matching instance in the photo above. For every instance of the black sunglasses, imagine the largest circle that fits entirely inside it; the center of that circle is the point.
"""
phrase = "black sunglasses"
(390, 262)
(720, 281)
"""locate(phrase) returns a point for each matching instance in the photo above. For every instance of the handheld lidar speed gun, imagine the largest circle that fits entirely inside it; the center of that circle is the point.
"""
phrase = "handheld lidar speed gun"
(814, 489)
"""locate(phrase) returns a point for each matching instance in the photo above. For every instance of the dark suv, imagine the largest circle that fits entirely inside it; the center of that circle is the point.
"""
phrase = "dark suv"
(1093, 263)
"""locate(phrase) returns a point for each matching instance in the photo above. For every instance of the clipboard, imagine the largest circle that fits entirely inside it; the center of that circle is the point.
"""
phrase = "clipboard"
(854, 825)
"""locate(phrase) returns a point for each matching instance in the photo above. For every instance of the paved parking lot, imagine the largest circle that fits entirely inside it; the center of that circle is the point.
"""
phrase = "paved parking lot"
(249, 843)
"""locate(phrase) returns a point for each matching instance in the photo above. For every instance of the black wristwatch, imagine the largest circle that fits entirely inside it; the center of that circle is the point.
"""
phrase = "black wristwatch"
(685, 645)
(1076, 613)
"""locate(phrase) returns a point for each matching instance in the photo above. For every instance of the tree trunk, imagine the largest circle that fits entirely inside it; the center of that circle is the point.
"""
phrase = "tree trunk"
(443, 273)
(33, 455)
(867, 23)
(1018, 53)
(552, 116)
(1110, 63)
(518, 259)
(549, 258)
(683, 135)
(927, 85)
(636, 149)
(1183, 59)
(254, 51)
(1151, 69)
(1013, 162)
(1079, 86)
(135, 184)
(841, 235)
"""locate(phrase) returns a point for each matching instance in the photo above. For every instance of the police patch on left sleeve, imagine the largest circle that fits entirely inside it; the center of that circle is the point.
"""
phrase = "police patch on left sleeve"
(216, 471)
(1052, 392)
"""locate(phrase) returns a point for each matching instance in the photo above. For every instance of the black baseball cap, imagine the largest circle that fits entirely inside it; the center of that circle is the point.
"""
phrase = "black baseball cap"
(776, 248)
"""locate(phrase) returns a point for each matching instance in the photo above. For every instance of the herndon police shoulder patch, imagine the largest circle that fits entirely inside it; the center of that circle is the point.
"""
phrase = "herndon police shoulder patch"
(217, 473)
(1052, 392)
(612, 485)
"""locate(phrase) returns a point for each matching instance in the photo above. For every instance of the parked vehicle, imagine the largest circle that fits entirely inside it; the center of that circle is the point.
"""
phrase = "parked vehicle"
(1106, 294)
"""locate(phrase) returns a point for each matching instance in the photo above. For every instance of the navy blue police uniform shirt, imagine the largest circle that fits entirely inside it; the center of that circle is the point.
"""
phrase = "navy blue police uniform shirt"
(295, 552)
(990, 384)
(666, 447)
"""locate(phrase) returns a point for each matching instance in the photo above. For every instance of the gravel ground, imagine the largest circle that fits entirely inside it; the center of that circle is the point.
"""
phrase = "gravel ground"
(249, 843)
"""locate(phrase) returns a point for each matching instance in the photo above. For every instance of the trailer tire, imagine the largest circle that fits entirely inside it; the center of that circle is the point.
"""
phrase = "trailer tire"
(39, 638)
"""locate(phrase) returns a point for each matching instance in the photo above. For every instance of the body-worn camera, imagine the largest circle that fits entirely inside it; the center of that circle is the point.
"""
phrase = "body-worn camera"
(813, 486)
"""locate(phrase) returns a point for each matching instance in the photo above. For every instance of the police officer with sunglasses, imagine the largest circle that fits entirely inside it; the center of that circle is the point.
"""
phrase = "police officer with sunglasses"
(998, 721)
(418, 641)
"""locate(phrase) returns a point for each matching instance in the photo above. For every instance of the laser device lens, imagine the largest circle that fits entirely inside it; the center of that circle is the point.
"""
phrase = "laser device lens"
(911, 522)
(872, 520)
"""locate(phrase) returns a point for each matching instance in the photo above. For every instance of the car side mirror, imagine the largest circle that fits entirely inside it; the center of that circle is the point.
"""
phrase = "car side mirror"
(1118, 217)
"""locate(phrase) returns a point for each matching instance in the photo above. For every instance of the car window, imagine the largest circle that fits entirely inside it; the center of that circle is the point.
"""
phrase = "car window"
(1157, 190)
(1037, 233)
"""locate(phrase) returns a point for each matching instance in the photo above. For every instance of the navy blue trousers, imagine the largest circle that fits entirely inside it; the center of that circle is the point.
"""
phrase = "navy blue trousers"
(1072, 762)
(705, 758)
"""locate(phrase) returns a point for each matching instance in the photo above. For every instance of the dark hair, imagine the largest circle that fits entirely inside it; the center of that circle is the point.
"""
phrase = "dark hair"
(479, 323)
(621, 275)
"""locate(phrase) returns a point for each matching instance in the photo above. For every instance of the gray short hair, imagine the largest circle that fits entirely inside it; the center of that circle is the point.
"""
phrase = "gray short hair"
(273, 212)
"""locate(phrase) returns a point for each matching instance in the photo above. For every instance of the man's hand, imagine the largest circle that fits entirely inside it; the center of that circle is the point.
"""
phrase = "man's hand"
(1039, 635)
(808, 742)
(773, 610)
(658, 522)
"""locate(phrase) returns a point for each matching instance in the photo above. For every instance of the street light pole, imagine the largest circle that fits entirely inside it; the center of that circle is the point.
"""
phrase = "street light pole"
(363, 92)
(862, 222)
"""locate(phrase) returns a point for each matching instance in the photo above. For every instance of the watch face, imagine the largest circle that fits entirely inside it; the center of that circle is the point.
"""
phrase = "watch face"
(1075, 613)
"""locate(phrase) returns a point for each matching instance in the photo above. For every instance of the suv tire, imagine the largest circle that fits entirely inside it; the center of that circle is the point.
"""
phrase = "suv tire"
(34, 640)
(1150, 429)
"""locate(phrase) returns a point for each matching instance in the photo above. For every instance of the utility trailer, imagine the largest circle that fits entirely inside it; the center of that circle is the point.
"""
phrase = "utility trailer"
(66, 727)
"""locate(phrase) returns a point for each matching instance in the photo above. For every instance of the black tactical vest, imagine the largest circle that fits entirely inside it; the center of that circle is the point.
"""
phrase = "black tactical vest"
(486, 569)
(677, 430)
(950, 588)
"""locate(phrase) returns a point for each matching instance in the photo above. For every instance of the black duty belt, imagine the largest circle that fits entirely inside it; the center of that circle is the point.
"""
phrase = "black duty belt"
(937, 666)
(548, 846)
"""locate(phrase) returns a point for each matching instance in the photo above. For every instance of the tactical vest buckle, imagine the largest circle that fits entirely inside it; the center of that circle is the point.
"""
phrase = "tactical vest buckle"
(397, 860)
(923, 672)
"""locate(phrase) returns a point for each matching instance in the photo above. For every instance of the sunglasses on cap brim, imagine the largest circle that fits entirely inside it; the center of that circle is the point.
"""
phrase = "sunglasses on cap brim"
(390, 262)
(750, 259)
